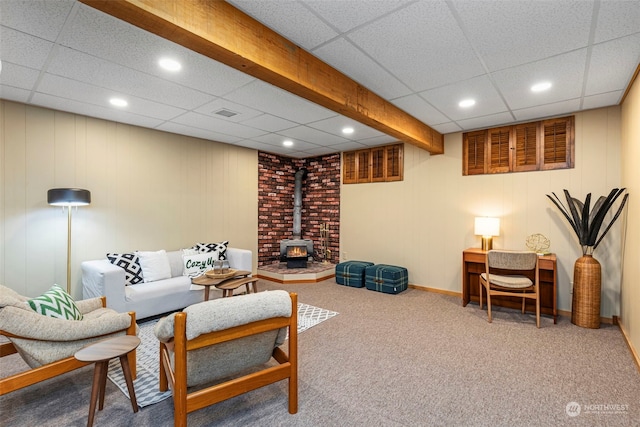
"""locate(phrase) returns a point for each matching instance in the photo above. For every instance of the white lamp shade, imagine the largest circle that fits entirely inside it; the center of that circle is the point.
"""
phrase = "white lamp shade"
(486, 226)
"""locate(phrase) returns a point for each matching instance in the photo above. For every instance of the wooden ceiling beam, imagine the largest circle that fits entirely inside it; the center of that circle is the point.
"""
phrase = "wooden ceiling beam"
(221, 32)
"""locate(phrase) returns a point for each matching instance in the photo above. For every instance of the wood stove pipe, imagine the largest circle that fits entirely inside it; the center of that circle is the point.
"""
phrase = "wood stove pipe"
(297, 203)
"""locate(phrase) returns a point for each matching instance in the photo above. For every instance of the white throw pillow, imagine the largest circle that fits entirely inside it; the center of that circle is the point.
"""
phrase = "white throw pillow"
(196, 265)
(155, 265)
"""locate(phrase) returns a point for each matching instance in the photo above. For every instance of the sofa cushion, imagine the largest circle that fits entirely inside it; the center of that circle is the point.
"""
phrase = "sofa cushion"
(220, 247)
(155, 265)
(130, 263)
(56, 303)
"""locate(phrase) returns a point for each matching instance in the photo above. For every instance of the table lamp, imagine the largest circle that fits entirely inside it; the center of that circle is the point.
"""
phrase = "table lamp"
(487, 228)
(67, 198)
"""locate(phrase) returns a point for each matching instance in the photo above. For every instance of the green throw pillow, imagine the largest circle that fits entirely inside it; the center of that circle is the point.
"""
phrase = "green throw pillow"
(56, 303)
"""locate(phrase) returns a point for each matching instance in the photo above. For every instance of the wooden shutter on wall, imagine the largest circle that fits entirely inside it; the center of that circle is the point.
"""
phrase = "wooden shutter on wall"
(557, 150)
(499, 150)
(525, 150)
(394, 163)
(378, 164)
(349, 168)
(364, 168)
(473, 155)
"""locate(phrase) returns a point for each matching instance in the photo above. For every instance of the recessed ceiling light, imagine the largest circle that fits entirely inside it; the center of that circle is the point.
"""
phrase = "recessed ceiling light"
(118, 102)
(287, 143)
(540, 87)
(465, 103)
(170, 64)
(347, 130)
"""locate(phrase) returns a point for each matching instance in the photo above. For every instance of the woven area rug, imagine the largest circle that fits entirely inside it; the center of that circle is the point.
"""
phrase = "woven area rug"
(146, 382)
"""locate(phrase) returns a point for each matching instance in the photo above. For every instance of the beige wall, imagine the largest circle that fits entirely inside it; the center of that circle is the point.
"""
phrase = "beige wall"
(426, 221)
(150, 190)
(630, 306)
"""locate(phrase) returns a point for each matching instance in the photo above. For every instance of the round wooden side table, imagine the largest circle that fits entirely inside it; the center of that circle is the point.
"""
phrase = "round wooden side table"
(101, 352)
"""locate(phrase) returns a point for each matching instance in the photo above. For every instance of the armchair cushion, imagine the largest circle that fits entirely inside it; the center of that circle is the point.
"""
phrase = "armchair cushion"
(232, 357)
(56, 303)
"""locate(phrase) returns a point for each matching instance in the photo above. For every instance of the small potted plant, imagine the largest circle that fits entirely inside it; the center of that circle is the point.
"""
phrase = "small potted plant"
(587, 223)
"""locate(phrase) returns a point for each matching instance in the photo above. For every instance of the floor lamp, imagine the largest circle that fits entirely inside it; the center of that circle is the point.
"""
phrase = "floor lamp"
(67, 198)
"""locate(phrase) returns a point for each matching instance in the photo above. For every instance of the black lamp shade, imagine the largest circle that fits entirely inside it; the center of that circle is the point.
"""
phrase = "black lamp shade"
(68, 197)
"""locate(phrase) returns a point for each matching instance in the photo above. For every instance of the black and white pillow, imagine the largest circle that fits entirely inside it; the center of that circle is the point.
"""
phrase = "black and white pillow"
(220, 247)
(131, 265)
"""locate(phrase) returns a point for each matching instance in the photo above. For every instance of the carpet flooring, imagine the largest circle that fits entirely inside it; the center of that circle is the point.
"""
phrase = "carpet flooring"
(146, 382)
(413, 359)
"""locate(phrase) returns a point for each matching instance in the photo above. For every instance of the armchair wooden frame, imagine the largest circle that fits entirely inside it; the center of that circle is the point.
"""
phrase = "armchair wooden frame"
(496, 279)
(185, 403)
(50, 370)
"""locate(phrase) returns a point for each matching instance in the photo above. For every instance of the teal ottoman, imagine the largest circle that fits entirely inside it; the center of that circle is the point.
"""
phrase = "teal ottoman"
(389, 279)
(351, 273)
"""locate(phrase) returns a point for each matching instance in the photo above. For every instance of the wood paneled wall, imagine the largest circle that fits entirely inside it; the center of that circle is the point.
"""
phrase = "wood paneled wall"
(150, 190)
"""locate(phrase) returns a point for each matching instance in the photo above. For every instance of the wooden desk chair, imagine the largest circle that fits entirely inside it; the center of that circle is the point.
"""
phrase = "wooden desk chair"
(505, 275)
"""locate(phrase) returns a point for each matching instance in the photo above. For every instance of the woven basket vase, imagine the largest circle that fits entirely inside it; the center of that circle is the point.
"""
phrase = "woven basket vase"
(585, 309)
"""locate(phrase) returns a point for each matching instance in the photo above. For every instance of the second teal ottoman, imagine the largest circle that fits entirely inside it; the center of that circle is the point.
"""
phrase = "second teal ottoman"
(389, 279)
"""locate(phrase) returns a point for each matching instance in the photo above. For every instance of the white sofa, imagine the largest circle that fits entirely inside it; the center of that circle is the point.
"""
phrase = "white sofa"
(100, 277)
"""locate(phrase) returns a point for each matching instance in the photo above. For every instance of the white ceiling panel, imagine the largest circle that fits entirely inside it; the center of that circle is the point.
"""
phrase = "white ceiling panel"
(420, 34)
(509, 33)
(542, 111)
(281, 13)
(22, 49)
(564, 72)
(349, 60)
(421, 55)
(488, 100)
(420, 109)
(611, 63)
(617, 18)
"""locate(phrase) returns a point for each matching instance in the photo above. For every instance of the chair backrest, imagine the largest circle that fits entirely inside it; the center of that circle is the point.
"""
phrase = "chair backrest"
(215, 339)
(512, 260)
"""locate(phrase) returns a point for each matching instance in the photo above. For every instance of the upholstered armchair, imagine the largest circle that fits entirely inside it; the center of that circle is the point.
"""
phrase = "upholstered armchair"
(225, 338)
(47, 344)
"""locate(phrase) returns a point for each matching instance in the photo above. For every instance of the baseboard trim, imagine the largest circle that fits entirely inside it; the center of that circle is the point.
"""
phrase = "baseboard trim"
(634, 354)
(436, 290)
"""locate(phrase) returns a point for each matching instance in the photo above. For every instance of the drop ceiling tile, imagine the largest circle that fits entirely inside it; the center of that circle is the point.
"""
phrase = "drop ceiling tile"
(257, 145)
(378, 140)
(197, 120)
(243, 113)
(445, 128)
(23, 49)
(279, 15)
(602, 100)
(315, 152)
(409, 55)
(550, 110)
(352, 62)
(269, 123)
(565, 72)
(334, 126)
(197, 132)
(277, 139)
(446, 99)
(510, 33)
(117, 78)
(45, 18)
(90, 110)
(348, 14)
(261, 96)
(485, 121)
(420, 109)
(14, 94)
(18, 76)
(617, 19)
(88, 94)
(348, 146)
(308, 134)
(612, 64)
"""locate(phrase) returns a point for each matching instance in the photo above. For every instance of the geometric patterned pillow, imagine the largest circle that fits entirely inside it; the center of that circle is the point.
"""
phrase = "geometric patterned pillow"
(56, 303)
(211, 247)
(130, 263)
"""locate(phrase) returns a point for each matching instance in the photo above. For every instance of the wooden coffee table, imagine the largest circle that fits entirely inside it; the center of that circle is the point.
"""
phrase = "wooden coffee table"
(227, 284)
(101, 352)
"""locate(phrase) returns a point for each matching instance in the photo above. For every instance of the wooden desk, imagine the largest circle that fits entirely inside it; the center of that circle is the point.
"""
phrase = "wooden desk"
(473, 264)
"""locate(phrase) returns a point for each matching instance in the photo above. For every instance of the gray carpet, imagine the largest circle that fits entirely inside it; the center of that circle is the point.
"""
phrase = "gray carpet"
(413, 359)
